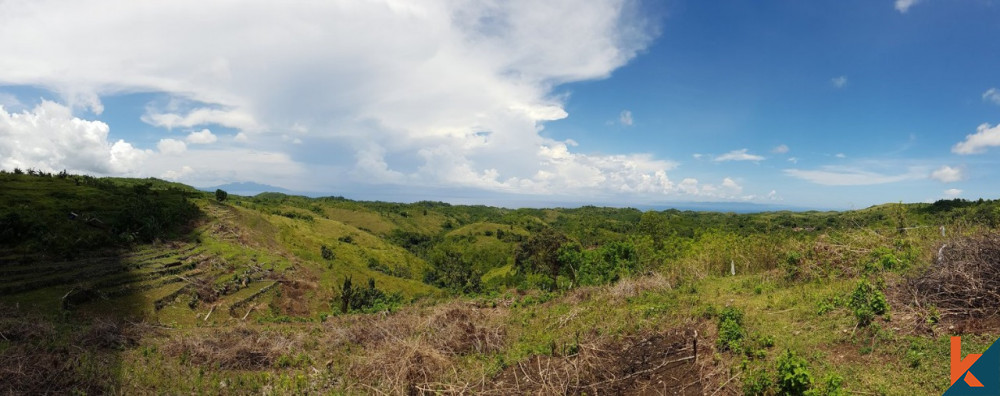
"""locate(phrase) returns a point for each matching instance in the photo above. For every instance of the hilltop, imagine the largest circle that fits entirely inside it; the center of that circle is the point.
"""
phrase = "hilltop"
(142, 285)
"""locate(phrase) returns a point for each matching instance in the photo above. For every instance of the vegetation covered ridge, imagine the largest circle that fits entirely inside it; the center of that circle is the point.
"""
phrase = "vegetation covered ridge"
(141, 285)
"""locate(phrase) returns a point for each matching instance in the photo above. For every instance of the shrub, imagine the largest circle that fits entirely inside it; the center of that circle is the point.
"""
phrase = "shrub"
(867, 302)
(221, 195)
(757, 382)
(793, 374)
(326, 252)
(731, 332)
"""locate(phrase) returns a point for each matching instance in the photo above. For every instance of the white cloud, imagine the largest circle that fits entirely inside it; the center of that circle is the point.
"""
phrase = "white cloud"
(697, 155)
(947, 174)
(171, 146)
(952, 193)
(731, 186)
(839, 81)
(773, 196)
(846, 176)
(49, 138)
(203, 136)
(992, 95)
(840, 155)
(739, 155)
(780, 149)
(977, 143)
(904, 5)
(424, 90)
(625, 118)
(793, 160)
(201, 116)
(177, 174)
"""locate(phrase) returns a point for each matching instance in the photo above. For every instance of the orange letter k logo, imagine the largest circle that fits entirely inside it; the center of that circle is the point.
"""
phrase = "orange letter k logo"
(961, 366)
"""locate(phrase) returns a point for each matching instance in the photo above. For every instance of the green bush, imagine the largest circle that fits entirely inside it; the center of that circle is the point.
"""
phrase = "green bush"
(867, 302)
(757, 382)
(793, 375)
(731, 332)
(326, 252)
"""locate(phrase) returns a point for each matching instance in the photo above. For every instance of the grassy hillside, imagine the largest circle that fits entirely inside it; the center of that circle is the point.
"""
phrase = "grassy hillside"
(139, 286)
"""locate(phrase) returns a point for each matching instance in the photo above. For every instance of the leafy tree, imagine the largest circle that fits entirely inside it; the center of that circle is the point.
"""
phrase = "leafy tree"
(453, 272)
(221, 195)
(540, 253)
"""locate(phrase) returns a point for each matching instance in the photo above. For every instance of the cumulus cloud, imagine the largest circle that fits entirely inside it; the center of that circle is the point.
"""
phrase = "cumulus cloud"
(780, 149)
(731, 186)
(50, 138)
(847, 176)
(947, 174)
(625, 118)
(460, 90)
(171, 146)
(175, 175)
(904, 5)
(977, 143)
(738, 155)
(203, 136)
(839, 81)
(952, 193)
(992, 95)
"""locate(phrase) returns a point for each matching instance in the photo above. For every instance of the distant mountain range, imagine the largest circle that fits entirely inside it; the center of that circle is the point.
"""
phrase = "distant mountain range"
(252, 188)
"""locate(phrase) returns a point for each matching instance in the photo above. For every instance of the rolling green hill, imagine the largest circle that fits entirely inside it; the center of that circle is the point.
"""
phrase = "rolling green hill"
(141, 285)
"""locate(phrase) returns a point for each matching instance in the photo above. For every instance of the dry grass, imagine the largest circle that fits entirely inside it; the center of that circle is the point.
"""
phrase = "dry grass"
(631, 287)
(649, 363)
(242, 348)
(416, 350)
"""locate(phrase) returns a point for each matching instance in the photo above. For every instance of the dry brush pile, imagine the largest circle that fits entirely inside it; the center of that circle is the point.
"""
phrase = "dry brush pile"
(965, 279)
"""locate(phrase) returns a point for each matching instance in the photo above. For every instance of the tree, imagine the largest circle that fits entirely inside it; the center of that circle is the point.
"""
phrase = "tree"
(221, 195)
(540, 253)
(346, 293)
(453, 272)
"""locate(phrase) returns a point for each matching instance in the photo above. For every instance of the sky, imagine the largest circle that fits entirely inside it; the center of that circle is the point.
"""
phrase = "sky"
(822, 104)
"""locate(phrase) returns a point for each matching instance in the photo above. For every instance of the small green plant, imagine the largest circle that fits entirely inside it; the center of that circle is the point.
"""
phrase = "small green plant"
(933, 316)
(731, 332)
(221, 195)
(832, 384)
(757, 382)
(793, 374)
(867, 302)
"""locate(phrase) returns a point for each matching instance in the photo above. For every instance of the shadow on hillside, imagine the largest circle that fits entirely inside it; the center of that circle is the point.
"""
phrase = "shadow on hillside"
(65, 324)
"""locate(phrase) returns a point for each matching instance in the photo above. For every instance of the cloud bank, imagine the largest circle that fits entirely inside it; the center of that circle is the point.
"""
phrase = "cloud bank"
(454, 94)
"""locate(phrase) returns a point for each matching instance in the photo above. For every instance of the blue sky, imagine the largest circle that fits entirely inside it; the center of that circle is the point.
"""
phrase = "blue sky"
(829, 104)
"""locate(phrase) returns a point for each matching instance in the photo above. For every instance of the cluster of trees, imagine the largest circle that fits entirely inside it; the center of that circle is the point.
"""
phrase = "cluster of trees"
(67, 214)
